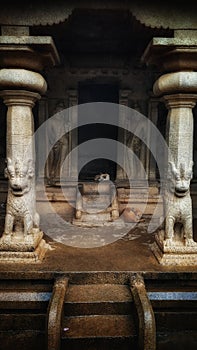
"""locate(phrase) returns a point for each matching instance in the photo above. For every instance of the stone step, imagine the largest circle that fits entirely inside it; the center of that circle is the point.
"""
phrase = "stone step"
(173, 299)
(24, 300)
(175, 310)
(98, 299)
(99, 332)
(23, 313)
(22, 321)
(88, 206)
(96, 198)
(22, 340)
(177, 340)
(100, 343)
(94, 188)
(96, 202)
(95, 217)
(99, 316)
(176, 320)
(99, 223)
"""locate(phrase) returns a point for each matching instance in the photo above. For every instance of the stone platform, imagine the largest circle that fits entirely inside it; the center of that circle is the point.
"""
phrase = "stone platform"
(178, 254)
(16, 250)
(23, 257)
(131, 250)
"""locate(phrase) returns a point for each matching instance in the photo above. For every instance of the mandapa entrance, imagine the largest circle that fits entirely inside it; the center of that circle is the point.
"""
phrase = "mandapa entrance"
(97, 92)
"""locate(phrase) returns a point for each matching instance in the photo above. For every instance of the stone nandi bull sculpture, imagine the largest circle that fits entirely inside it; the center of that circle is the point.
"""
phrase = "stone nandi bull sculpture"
(102, 177)
(21, 216)
(178, 204)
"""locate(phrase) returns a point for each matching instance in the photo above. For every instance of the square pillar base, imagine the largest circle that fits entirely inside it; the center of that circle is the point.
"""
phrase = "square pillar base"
(31, 249)
(176, 254)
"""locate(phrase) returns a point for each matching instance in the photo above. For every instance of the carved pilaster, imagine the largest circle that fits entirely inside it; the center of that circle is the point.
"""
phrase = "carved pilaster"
(124, 96)
(42, 144)
(72, 174)
(135, 153)
(153, 116)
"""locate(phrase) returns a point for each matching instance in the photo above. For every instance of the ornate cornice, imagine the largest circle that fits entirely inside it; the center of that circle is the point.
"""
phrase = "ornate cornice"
(158, 15)
(42, 13)
(152, 14)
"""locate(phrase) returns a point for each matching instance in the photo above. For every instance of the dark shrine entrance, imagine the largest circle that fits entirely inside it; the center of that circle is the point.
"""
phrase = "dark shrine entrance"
(98, 92)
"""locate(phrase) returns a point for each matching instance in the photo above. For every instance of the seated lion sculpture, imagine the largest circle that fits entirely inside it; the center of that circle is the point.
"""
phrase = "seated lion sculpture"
(178, 205)
(20, 211)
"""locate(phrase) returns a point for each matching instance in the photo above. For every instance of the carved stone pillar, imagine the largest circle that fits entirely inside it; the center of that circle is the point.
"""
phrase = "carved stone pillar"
(131, 165)
(153, 116)
(22, 240)
(174, 245)
(121, 175)
(72, 174)
(43, 141)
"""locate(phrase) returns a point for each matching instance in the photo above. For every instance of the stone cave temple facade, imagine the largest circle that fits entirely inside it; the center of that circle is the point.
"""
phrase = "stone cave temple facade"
(98, 175)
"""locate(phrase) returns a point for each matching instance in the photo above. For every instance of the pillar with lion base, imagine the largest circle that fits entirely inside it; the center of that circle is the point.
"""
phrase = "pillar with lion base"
(21, 86)
(174, 244)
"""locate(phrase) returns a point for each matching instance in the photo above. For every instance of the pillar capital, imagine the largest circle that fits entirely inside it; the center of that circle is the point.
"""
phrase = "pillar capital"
(29, 52)
(173, 54)
(22, 78)
(177, 82)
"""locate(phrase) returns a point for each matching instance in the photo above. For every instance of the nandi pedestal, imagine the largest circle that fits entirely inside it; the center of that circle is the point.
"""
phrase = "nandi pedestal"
(22, 240)
(176, 57)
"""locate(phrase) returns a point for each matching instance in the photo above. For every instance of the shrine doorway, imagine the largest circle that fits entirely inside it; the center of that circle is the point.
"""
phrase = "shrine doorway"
(98, 92)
